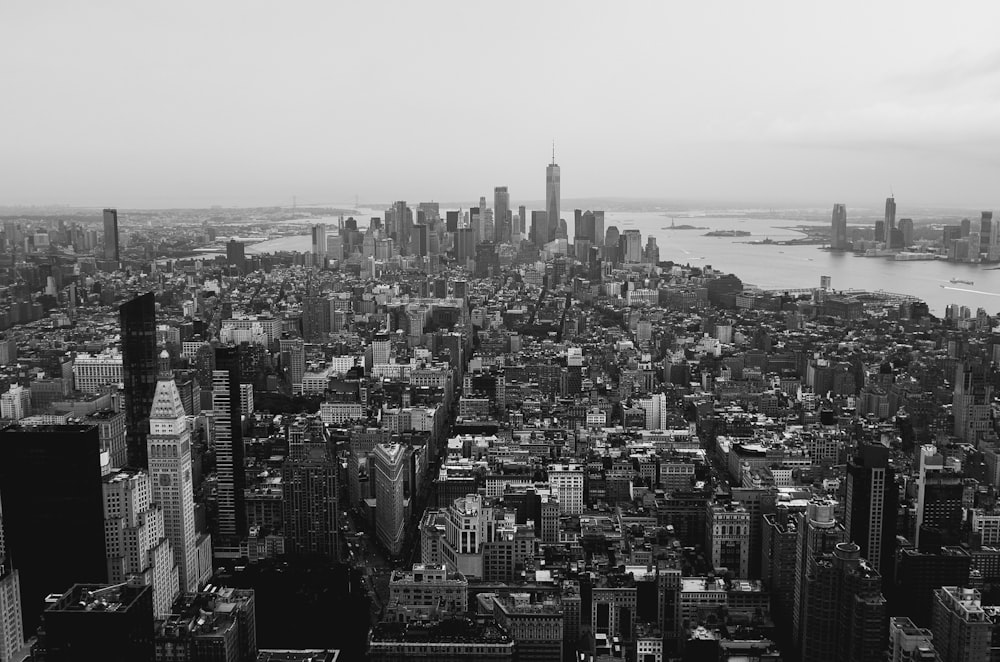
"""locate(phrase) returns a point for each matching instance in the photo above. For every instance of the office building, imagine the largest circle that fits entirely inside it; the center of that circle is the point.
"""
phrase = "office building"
(310, 504)
(236, 254)
(536, 627)
(539, 233)
(552, 200)
(890, 221)
(728, 538)
(939, 503)
(906, 232)
(139, 369)
(501, 215)
(111, 251)
(137, 548)
(420, 239)
(631, 246)
(871, 504)
(231, 512)
(962, 629)
(169, 446)
(428, 590)
(971, 401)
(390, 495)
(53, 527)
(838, 227)
(110, 623)
(318, 234)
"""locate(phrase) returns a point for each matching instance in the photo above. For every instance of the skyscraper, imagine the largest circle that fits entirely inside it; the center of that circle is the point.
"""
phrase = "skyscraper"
(138, 550)
(169, 445)
(53, 509)
(139, 369)
(632, 244)
(838, 227)
(890, 220)
(872, 499)
(236, 254)
(845, 611)
(501, 211)
(390, 477)
(231, 515)
(552, 181)
(539, 233)
(11, 629)
(309, 485)
(111, 252)
(319, 244)
(818, 532)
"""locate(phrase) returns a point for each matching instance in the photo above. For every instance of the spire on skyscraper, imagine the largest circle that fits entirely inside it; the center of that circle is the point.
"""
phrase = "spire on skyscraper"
(553, 152)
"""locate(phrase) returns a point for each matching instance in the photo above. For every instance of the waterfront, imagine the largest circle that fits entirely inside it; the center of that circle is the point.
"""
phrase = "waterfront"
(775, 266)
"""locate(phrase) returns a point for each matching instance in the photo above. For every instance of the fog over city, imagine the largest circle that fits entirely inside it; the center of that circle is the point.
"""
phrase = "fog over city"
(158, 104)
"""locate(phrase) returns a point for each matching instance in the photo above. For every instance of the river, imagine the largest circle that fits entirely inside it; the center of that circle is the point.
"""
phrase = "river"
(771, 266)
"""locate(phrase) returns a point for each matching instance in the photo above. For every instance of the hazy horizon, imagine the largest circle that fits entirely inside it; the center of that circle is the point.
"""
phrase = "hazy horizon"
(184, 104)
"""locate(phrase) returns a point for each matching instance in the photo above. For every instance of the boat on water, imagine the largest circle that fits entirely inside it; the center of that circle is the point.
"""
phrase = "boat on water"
(963, 282)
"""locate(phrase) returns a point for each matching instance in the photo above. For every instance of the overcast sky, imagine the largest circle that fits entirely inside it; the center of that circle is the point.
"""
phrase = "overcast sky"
(243, 103)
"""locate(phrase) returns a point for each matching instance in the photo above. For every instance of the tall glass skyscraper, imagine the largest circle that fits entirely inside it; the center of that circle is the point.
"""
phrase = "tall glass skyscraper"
(139, 370)
(111, 235)
(838, 227)
(552, 196)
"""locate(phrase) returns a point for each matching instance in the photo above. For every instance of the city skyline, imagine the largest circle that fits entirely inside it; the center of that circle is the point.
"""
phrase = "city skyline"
(813, 119)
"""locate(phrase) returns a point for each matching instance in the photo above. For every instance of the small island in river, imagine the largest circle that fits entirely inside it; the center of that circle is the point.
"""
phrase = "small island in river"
(727, 233)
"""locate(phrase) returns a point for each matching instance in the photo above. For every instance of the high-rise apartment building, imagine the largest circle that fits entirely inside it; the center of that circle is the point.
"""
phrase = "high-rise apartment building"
(137, 318)
(169, 445)
(872, 500)
(53, 509)
(908, 643)
(390, 496)
(231, 513)
(137, 548)
(111, 251)
(310, 504)
(15, 404)
(838, 227)
(552, 200)
(818, 533)
(962, 629)
(566, 481)
(844, 615)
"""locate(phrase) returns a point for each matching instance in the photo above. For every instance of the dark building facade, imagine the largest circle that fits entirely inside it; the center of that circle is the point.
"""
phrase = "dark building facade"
(872, 500)
(98, 622)
(53, 509)
(111, 251)
(139, 370)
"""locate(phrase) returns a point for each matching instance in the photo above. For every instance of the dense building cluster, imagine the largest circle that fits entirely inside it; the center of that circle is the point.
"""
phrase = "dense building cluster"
(527, 447)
